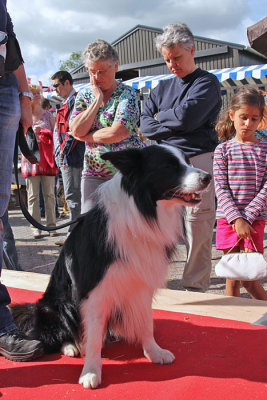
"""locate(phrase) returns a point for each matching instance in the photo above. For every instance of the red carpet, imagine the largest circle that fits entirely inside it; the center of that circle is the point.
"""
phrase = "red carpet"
(215, 359)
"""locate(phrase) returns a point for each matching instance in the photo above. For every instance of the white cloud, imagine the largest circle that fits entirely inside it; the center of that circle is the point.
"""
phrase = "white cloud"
(50, 30)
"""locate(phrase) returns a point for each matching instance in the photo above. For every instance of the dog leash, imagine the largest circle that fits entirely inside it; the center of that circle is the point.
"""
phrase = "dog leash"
(24, 210)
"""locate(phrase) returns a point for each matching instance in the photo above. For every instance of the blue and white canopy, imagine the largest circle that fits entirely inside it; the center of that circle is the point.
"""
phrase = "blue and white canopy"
(228, 77)
(147, 81)
(240, 75)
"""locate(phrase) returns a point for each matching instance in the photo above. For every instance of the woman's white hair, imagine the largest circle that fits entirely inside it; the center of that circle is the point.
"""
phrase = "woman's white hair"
(99, 50)
(174, 34)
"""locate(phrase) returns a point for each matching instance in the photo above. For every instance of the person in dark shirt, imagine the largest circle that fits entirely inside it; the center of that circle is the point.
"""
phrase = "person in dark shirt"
(15, 106)
(69, 153)
(182, 112)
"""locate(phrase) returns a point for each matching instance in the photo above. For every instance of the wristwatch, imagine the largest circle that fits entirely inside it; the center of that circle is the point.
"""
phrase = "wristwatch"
(26, 94)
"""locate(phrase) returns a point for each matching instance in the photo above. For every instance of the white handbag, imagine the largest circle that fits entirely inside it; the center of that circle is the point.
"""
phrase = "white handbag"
(242, 266)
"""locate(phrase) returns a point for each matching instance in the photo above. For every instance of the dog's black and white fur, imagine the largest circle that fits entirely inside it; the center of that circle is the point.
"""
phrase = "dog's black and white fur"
(115, 259)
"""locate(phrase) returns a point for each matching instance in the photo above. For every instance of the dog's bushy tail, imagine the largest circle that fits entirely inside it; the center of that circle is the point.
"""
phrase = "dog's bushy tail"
(52, 324)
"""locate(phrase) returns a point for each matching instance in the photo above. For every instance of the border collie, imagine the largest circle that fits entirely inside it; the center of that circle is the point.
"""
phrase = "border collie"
(115, 258)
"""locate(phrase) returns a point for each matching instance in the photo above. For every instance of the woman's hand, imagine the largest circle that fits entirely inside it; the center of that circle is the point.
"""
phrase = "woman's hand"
(97, 92)
(82, 123)
(243, 228)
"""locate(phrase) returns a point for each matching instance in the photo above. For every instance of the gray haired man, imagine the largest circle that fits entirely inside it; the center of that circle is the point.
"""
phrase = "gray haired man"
(182, 112)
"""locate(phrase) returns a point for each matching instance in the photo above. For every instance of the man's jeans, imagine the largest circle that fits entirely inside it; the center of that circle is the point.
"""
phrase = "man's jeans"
(9, 119)
(10, 254)
(72, 189)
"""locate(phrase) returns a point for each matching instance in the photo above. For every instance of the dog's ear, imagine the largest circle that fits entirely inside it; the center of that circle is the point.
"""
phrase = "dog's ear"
(126, 161)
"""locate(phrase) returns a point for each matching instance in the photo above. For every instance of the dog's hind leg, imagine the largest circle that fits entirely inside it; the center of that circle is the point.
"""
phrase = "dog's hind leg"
(70, 349)
(155, 353)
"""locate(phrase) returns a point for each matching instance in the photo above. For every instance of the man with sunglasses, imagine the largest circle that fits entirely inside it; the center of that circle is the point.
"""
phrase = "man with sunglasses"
(69, 152)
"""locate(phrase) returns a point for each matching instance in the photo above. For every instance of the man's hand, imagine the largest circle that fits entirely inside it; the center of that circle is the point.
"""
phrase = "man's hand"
(25, 102)
(3, 41)
(26, 113)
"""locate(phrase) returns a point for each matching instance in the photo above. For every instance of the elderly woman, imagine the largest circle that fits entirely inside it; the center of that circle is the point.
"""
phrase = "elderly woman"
(105, 116)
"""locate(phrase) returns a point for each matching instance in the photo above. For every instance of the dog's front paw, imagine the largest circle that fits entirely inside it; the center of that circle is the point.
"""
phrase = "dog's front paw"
(70, 350)
(90, 380)
(160, 356)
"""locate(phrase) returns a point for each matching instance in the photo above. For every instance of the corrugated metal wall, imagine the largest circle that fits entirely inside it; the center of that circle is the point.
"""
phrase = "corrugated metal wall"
(139, 46)
(251, 59)
(155, 70)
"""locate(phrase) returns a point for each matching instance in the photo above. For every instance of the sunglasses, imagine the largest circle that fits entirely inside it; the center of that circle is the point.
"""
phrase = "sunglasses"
(56, 85)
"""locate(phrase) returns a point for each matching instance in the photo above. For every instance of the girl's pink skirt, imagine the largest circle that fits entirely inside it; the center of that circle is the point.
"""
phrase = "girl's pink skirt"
(226, 237)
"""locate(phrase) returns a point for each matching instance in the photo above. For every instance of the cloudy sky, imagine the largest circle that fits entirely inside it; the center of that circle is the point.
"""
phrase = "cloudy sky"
(50, 30)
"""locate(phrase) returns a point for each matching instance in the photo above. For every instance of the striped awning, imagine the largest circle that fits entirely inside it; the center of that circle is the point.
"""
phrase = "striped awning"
(227, 76)
(147, 81)
(240, 73)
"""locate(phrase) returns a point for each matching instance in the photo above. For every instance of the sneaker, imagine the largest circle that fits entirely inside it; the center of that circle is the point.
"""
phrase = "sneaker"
(16, 346)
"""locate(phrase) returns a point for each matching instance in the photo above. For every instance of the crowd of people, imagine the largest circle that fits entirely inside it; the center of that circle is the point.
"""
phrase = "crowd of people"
(181, 112)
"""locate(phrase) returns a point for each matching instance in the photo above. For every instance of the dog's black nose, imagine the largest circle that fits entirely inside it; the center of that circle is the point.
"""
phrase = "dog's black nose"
(206, 178)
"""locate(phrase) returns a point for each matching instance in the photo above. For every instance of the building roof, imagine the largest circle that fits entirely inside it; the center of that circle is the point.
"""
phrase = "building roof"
(197, 38)
(137, 53)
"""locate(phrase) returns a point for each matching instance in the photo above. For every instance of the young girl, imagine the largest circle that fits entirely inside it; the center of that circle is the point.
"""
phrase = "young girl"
(240, 174)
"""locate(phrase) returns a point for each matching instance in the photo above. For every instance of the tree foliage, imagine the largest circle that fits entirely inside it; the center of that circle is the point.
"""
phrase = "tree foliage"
(72, 62)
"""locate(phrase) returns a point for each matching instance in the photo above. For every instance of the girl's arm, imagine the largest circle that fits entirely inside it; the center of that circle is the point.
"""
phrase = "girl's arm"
(222, 189)
(257, 205)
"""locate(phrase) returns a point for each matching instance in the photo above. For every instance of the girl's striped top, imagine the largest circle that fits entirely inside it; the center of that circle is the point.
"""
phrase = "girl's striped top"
(240, 175)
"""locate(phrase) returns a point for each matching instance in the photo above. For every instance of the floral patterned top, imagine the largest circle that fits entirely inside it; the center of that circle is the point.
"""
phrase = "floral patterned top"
(122, 107)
